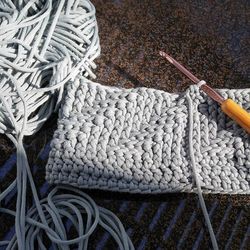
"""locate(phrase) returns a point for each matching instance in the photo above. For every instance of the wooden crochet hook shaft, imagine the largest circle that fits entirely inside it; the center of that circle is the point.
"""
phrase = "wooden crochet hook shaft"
(228, 106)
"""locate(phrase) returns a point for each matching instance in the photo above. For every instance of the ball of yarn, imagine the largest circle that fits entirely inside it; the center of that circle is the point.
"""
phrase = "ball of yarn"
(44, 44)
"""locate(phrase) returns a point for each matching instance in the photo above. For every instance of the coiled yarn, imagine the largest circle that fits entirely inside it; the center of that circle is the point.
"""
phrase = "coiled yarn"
(45, 44)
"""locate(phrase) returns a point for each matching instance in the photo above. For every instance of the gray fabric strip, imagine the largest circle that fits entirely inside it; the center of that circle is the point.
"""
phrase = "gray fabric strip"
(136, 140)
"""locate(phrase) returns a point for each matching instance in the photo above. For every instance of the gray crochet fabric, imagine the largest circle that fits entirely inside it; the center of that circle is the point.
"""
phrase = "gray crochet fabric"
(137, 140)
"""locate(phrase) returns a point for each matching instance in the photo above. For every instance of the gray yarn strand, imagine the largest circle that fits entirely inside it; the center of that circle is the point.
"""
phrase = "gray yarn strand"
(44, 45)
(197, 182)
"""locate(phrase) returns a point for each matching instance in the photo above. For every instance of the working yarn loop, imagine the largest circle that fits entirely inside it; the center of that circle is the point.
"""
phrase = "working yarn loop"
(45, 44)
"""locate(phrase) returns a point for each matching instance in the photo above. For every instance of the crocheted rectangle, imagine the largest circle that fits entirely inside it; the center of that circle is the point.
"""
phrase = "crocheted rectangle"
(137, 140)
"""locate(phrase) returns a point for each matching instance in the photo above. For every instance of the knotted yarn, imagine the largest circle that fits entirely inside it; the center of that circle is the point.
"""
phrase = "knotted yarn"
(45, 44)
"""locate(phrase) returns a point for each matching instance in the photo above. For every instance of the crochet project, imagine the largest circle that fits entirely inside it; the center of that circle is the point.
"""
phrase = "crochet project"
(135, 140)
(149, 141)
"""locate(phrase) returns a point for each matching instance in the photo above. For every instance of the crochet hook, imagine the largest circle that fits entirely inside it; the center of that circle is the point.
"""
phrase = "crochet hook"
(228, 106)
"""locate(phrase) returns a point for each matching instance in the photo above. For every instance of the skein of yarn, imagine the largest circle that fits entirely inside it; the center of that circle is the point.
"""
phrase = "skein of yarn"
(44, 45)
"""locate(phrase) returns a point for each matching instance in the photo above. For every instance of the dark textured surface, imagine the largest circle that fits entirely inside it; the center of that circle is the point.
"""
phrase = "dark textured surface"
(212, 39)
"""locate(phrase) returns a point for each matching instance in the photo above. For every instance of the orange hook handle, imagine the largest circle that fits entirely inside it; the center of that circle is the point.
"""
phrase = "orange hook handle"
(237, 113)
